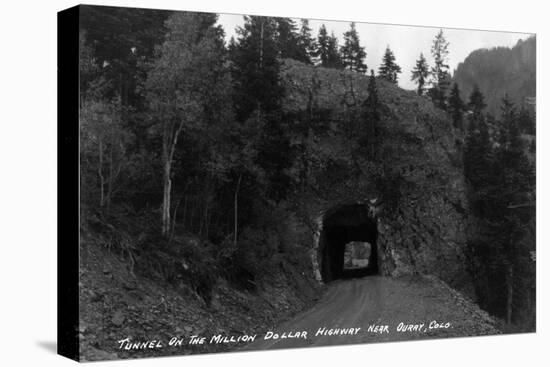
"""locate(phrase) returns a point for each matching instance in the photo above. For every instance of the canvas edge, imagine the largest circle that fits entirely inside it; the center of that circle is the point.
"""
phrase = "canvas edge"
(68, 216)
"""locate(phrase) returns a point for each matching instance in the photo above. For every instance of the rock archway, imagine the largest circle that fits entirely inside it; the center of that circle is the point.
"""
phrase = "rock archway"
(341, 226)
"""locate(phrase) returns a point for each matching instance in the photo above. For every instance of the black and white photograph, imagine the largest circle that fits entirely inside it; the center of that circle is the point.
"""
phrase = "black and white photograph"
(252, 182)
(245, 183)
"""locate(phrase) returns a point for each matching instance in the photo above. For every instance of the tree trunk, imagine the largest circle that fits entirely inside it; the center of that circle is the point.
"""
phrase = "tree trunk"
(167, 183)
(111, 174)
(509, 293)
(173, 227)
(185, 213)
(262, 44)
(236, 207)
(206, 220)
(100, 172)
(169, 142)
(261, 64)
(200, 221)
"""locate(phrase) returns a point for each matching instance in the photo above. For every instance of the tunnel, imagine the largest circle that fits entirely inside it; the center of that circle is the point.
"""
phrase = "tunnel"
(343, 227)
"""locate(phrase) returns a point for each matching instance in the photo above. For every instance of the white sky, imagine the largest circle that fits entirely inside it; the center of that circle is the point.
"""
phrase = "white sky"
(406, 42)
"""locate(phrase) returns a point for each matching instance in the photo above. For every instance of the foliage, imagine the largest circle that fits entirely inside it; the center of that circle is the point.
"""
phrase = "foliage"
(255, 67)
(292, 45)
(389, 69)
(371, 108)
(231, 140)
(440, 71)
(456, 107)
(501, 70)
(420, 74)
(104, 145)
(121, 39)
(187, 91)
(502, 191)
(327, 51)
(306, 42)
(353, 54)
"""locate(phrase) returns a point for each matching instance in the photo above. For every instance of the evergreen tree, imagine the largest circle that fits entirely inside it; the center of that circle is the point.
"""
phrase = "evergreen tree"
(288, 41)
(420, 73)
(334, 57)
(371, 117)
(306, 42)
(533, 146)
(477, 152)
(440, 70)
(255, 67)
(120, 37)
(181, 95)
(501, 195)
(509, 127)
(353, 55)
(327, 49)
(514, 186)
(258, 98)
(526, 122)
(476, 103)
(456, 107)
(389, 69)
(322, 46)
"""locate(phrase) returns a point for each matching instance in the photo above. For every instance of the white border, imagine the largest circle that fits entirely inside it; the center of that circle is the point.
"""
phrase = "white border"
(28, 182)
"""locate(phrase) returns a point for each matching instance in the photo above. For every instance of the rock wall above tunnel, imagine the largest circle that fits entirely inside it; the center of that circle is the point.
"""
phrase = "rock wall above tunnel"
(421, 221)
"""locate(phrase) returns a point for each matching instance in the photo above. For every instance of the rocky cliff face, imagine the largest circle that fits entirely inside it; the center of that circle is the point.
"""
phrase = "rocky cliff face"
(420, 207)
(498, 71)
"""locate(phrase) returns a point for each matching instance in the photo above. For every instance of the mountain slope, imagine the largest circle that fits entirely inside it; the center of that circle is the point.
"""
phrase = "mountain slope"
(498, 71)
(420, 184)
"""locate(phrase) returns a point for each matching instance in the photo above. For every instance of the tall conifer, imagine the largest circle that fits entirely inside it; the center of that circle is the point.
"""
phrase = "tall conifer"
(420, 74)
(353, 55)
(440, 70)
(389, 68)
(456, 107)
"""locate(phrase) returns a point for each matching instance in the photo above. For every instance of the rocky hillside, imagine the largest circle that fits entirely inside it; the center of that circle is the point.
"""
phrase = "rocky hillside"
(139, 287)
(419, 199)
(498, 71)
(136, 284)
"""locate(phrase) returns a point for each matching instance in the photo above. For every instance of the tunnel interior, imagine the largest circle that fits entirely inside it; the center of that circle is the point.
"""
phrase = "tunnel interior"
(356, 255)
(346, 226)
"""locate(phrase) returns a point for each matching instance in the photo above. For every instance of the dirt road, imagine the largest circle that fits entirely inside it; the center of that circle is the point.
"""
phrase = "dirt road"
(380, 309)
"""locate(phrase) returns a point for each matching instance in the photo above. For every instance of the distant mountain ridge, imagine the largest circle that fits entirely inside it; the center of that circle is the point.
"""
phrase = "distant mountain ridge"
(498, 71)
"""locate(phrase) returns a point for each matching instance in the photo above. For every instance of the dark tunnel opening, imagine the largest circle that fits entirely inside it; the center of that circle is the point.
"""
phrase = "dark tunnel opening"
(343, 226)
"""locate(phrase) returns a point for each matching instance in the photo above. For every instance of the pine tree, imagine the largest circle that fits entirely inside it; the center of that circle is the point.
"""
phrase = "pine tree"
(371, 116)
(306, 42)
(322, 46)
(180, 94)
(526, 122)
(476, 103)
(440, 70)
(255, 67)
(501, 194)
(288, 41)
(420, 73)
(258, 98)
(334, 59)
(509, 127)
(456, 107)
(514, 186)
(389, 69)
(327, 49)
(477, 154)
(353, 55)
